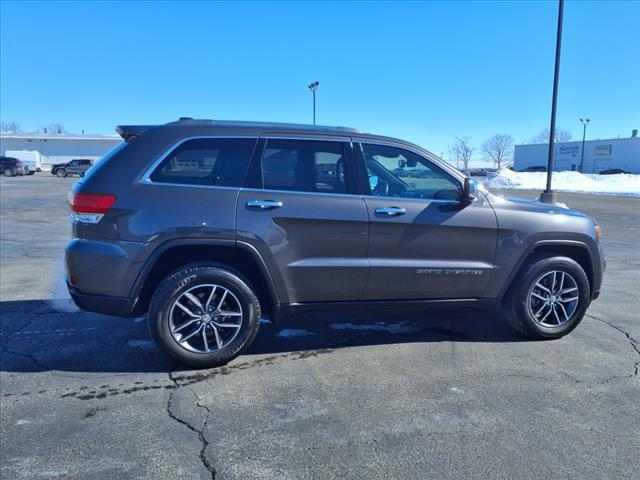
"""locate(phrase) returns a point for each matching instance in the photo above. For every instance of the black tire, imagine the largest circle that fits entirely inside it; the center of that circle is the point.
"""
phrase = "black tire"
(31, 172)
(181, 281)
(61, 173)
(517, 300)
(8, 172)
(81, 174)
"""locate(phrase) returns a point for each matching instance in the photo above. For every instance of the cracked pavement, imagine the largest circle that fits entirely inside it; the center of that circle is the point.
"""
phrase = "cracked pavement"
(440, 394)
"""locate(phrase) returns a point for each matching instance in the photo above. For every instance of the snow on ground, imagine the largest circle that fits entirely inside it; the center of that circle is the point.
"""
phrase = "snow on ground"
(293, 332)
(620, 184)
(400, 327)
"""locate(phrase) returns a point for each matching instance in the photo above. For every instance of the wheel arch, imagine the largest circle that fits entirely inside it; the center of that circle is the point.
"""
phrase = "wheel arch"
(173, 254)
(573, 249)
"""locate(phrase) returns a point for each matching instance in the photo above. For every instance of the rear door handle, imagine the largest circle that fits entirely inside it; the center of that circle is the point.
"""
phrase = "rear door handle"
(390, 211)
(263, 204)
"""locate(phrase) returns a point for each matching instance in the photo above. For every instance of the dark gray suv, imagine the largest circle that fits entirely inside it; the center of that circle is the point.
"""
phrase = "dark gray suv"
(208, 225)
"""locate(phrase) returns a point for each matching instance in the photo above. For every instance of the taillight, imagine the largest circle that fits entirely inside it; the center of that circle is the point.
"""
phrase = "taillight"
(90, 207)
(19, 164)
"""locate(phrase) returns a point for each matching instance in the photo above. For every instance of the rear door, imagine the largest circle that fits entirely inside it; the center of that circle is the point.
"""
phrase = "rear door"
(301, 212)
(84, 166)
(423, 243)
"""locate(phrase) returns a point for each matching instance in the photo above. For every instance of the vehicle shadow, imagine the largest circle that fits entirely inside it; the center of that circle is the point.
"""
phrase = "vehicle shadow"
(36, 338)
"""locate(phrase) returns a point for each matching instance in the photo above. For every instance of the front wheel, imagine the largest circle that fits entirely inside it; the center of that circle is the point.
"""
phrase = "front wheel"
(61, 173)
(204, 315)
(548, 298)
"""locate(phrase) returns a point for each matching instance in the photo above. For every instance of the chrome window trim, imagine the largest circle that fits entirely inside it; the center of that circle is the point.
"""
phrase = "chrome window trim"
(305, 137)
(146, 176)
(301, 192)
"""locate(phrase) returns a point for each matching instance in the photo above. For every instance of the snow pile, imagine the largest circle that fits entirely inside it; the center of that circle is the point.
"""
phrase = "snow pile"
(619, 184)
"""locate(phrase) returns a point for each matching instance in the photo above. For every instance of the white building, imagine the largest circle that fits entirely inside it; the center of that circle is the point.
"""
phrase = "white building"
(622, 153)
(58, 148)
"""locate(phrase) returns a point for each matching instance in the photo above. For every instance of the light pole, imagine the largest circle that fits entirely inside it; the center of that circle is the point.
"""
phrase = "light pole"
(548, 196)
(584, 122)
(313, 87)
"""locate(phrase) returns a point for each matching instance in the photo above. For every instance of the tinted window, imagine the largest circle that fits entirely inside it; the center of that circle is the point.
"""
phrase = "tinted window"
(304, 166)
(395, 172)
(207, 161)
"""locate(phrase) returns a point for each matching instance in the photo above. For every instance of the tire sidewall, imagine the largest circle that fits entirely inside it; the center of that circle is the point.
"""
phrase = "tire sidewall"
(174, 286)
(61, 173)
(520, 302)
(7, 172)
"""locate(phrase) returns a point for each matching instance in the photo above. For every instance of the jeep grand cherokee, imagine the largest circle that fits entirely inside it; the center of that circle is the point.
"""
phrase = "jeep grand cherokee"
(208, 225)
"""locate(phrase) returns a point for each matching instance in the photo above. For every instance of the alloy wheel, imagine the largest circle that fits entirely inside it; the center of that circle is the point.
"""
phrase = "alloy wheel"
(206, 318)
(553, 298)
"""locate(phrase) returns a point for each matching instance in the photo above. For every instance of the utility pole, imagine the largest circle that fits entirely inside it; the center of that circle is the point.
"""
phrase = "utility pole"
(584, 122)
(313, 87)
(549, 196)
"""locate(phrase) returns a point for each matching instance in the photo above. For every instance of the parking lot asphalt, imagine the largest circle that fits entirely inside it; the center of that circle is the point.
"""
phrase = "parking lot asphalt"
(446, 394)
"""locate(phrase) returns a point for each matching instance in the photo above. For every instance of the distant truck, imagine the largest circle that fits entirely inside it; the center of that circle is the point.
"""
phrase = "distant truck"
(29, 158)
(79, 167)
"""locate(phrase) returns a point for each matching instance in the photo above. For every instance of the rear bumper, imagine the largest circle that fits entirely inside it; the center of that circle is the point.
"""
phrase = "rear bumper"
(114, 306)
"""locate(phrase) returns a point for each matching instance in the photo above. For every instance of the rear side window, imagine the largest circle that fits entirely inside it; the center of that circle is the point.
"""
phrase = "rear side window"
(304, 166)
(207, 161)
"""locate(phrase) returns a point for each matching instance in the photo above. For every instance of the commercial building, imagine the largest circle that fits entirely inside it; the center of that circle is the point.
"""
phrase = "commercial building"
(50, 149)
(622, 153)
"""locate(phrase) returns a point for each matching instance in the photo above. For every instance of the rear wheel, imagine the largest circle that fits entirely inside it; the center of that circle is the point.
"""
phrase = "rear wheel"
(204, 315)
(61, 172)
(548, 298)
(8, 172)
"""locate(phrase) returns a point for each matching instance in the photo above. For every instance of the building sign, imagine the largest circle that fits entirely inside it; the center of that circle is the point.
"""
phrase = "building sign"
(603, 150)
(572, 150)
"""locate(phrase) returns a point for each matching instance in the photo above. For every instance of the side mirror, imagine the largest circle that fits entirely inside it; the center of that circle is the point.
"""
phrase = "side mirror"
(373, 182)
(469, 190)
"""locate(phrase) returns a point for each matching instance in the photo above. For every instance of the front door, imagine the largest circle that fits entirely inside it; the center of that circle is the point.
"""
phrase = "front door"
(305, 220)
(423, 243)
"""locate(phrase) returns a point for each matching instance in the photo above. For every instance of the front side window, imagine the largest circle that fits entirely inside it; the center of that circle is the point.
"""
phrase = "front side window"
(395, 172)
(304, 166)
(207, 161)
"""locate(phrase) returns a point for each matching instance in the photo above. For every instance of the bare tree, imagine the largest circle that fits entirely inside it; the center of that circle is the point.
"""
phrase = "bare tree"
(498, 148)
(55, 129)
(561, 135)
(10, 127)
(462, 151)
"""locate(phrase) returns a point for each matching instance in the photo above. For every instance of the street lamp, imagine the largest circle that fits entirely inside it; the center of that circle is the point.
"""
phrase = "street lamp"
(548, 196)
(584, 122)
(313, 87)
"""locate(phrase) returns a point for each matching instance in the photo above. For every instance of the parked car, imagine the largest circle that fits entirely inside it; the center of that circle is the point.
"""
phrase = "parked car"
(612, 171)
(29, 158)
(11, 167)
(209, 225)
(74, 167)
(537, 168)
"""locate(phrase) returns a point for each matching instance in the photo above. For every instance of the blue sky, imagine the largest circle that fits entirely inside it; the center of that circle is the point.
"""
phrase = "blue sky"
(425, 72)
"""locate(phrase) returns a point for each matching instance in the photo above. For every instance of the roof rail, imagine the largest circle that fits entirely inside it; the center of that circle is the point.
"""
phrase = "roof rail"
(130, 132)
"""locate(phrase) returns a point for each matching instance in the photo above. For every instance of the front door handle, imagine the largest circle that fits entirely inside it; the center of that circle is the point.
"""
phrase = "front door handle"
(390, 211)
(263, 204)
